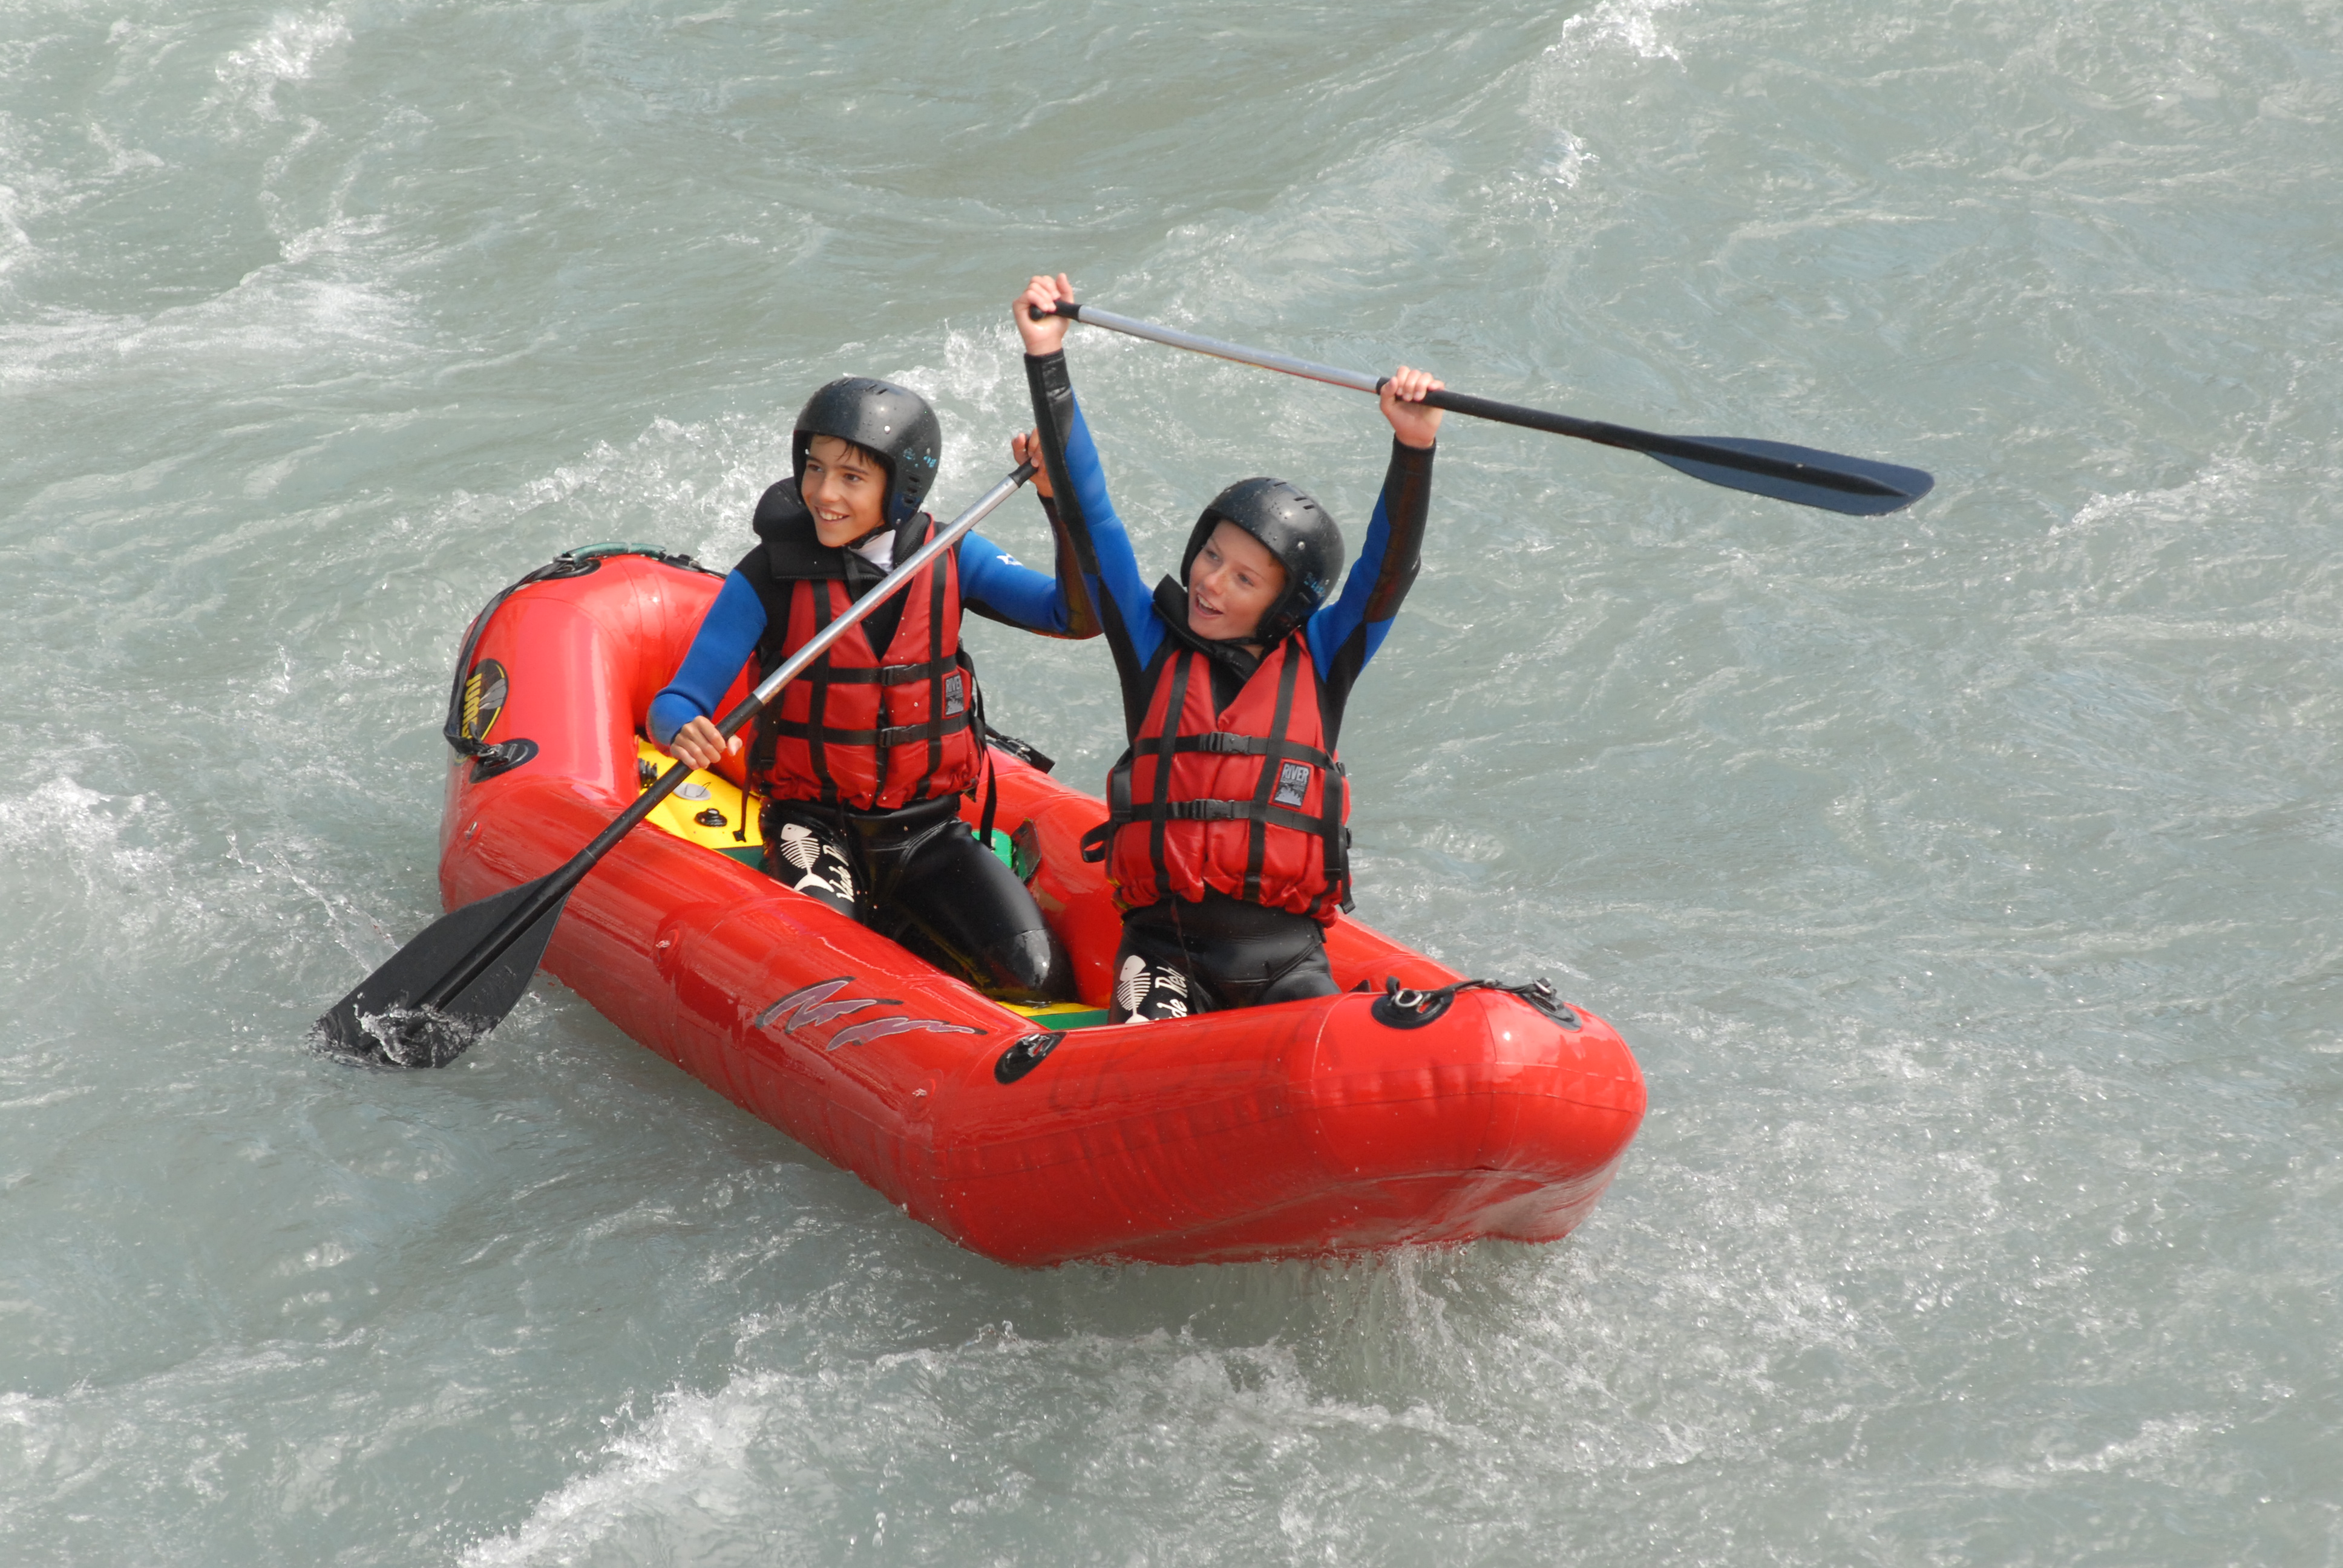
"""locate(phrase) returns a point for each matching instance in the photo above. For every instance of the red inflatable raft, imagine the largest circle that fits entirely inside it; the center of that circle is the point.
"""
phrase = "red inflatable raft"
(1029, 1135)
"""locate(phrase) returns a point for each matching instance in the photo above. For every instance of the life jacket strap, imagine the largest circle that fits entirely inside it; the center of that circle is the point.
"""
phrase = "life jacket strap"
(1221, 743)
(1261, 810)
(888, 674)
(893, 736)
(1217, 811)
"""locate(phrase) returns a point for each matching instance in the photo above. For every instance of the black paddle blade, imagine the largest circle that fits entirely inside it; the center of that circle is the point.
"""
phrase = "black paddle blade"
(380, 1024)
(1862, 498)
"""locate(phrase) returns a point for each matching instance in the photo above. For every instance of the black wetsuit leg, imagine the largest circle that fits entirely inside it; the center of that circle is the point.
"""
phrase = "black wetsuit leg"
(955, 904)
(919, 877)
(1179, 959)
(809, 850)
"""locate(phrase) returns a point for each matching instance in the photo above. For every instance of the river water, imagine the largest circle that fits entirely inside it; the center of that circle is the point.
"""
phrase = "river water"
(1968, 881)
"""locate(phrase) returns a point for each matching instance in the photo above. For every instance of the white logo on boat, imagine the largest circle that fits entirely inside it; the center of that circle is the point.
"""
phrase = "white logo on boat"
(813, 1005)
(880, 1028)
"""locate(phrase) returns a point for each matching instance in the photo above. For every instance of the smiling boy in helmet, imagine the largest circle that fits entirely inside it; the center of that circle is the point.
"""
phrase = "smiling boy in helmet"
(864, 758)
(1224, 835)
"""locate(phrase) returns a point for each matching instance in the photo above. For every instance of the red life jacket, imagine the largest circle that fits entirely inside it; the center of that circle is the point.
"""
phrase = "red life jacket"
(1248, 802)
(867, 731)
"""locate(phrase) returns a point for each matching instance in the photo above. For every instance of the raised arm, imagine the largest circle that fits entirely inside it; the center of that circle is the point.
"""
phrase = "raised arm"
(1345, 634)
(998, 587)
(1073, 585)
(1076, 486)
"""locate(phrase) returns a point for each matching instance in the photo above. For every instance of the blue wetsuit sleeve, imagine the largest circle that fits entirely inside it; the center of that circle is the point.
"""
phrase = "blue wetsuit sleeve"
(994, 583)
(1099, 544)
(1126, 610)
(1344, 635)
(1117, 570)
(727, 637)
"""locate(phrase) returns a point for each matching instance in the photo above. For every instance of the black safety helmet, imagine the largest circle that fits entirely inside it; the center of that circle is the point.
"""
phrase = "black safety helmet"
(1294, 529)
(892, 423)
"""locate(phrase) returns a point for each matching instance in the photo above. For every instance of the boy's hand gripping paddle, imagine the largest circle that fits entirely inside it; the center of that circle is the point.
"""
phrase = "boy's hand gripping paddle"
(1857, 486)
(457, 979)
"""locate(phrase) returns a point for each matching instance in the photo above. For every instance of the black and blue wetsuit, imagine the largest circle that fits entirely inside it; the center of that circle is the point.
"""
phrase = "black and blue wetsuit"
(916, 874)
(1222, 952)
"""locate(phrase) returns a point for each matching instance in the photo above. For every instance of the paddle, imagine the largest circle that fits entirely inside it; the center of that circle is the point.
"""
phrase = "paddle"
(1856, 486)
(457, 979)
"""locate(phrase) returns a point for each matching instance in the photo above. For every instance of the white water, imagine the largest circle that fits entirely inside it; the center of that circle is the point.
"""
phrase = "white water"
(1966, 879)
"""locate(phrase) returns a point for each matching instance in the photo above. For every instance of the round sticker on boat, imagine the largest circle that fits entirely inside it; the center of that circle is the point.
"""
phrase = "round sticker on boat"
(485, 691)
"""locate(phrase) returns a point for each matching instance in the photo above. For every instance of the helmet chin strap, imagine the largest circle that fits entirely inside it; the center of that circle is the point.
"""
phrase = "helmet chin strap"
(1171, 604)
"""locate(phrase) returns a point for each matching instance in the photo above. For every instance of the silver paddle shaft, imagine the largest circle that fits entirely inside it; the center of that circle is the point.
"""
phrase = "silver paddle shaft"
(1823, 479)
(1092, 315)
(950, 535)
(556, 887)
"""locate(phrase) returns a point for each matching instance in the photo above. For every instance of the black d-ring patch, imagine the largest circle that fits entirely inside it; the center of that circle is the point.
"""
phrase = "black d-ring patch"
(1024, 1056)
(1399, 1007)
(491, 760)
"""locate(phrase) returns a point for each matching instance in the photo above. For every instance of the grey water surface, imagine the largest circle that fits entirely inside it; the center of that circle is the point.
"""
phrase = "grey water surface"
(1969, 881)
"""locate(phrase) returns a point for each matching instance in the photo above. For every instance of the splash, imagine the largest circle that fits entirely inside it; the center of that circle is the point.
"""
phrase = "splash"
(402, 1037)
(286, 52)
(1616, 24)
(694, 1449)
(63, 813)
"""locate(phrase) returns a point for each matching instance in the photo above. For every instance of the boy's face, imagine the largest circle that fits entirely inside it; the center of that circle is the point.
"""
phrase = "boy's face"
(1234, 581)
(844, 489)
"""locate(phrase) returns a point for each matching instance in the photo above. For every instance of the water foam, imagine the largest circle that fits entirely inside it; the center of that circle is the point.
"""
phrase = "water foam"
(288, 52)
(921, 1460)
(65, 821)
(693, 1452)
(1631, 26)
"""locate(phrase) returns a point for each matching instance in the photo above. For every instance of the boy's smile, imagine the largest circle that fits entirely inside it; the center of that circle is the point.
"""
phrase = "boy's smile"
(1232, 585)
(845, 488)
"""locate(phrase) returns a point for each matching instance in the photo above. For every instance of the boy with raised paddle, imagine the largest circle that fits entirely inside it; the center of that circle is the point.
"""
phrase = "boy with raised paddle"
(1224, 837)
